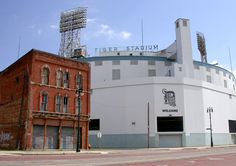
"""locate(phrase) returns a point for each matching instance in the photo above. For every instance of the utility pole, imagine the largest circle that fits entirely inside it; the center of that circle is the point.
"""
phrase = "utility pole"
(142, 30)
(19, 44)
(210, 110)
(230, 59)
(148, 124)
(79, 92)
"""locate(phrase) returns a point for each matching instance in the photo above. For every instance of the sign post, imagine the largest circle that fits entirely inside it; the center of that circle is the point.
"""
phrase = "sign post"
(99, 136)
(210, 110)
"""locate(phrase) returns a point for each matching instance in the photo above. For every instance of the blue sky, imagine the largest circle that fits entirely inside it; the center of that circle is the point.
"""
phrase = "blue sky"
(117, 23)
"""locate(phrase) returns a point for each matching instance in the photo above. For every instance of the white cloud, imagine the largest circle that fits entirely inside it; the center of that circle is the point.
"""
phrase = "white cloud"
(110, 33)
(31, 26)
(53, 26)
(221, 66)
(106, 30)
(91, 20)
(214, 62)
(125, 35)
(234, 72)
(39, 31)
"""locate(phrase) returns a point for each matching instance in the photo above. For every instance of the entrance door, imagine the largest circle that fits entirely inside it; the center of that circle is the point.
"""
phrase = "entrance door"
(51, 138)
(67, 138)
(170, 140)
(38, 137)
(233, 137)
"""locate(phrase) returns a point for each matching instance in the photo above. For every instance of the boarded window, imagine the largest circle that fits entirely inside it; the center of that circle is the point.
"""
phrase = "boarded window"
(58, 103)
(65, 104)
(79, 81)
(169, 73)
(208, 78)
(66, 79)
(51, 138)
(185, 23)
(38, 137)
(151, 62)
(59, 78)
(133, 62)
(44, 102)
(151, 73)
(225, 84)
(115, 74)
(196, 67)
(167, 63)
(98, 63)
(45, 76)
(67, 138)
(177, 24)
(116, 62)
(76, 106)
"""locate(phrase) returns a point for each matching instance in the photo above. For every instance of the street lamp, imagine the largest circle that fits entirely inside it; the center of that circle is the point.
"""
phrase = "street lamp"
(79, 92)
(210, 110)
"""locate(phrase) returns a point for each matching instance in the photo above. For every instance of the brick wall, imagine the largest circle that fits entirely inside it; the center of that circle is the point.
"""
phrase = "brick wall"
(11, 89)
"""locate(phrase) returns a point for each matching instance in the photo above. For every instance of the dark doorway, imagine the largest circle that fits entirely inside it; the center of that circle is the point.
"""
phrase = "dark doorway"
(169, 124)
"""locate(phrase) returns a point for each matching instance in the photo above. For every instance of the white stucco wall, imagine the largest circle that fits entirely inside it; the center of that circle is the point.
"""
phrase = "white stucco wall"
(119, 103)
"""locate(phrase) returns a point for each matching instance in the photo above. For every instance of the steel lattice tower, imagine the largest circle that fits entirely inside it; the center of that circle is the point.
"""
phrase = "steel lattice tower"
(71, 23)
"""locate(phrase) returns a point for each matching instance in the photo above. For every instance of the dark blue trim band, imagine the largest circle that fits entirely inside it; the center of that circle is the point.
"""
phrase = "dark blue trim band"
(111, 58)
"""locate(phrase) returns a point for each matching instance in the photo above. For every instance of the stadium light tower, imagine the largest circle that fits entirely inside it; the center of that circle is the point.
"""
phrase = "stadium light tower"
(71, 23)
(202, 46)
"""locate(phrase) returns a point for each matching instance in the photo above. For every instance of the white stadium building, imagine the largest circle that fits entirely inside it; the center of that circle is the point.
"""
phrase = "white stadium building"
(143, 97)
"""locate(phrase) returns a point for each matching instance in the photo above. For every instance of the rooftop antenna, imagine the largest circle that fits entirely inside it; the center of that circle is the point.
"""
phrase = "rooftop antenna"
(18, 52)
(231, 67)
(142, 30)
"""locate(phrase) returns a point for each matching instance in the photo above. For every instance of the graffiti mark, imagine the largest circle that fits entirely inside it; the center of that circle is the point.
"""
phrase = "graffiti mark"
(5, 137)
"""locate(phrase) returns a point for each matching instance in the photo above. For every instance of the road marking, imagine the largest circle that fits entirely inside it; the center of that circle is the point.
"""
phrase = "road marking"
(192, 161)
(211, 158)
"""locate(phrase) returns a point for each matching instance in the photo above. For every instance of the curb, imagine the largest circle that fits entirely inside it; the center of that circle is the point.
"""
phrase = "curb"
(21, 153)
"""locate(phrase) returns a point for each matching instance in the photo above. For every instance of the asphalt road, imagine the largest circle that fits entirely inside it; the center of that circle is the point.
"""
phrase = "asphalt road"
(217, 156)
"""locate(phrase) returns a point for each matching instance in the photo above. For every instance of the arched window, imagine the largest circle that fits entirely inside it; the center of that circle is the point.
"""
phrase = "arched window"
(58, 103)
(76, 106)
(61, 103)
(66, 104)
(79, 81)
(59, 78)
(45, 75)
(44, 101)
(66, 79)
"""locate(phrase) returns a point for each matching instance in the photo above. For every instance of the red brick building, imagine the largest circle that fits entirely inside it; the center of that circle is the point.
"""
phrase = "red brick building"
(39, 104)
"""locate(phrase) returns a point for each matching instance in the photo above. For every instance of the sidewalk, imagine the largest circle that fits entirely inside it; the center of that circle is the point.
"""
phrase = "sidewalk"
(96, 151)
(51, 152)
